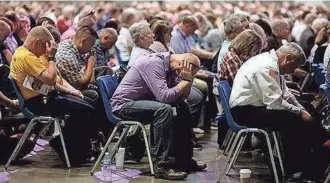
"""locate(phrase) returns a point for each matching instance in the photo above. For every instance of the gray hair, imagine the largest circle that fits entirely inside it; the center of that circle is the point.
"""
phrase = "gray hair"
(138, 30)
(293, 49)
(258, 29)
(319, 23)
(233, 25)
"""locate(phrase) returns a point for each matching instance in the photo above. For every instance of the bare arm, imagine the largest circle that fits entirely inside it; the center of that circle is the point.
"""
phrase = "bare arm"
(88, 73)
(203, 54)
(48, 76)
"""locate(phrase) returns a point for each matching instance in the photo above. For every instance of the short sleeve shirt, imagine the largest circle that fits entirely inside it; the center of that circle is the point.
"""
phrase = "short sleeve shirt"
(24, 63)
(69, 62)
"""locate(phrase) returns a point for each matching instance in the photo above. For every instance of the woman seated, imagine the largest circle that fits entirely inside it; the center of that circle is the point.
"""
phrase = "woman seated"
(246, 45)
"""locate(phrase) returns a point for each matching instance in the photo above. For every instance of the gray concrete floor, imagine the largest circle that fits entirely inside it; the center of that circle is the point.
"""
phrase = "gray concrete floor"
(45, 167)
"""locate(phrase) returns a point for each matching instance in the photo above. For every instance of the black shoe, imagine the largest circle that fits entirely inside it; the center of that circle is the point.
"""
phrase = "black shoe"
(169, 174)
(197, 167)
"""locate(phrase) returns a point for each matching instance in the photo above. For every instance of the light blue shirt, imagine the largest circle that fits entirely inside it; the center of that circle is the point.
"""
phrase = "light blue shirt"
(180, 43)
(211, 41)
(223, 51)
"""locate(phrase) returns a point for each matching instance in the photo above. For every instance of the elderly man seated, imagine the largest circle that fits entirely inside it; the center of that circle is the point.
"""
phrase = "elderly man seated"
(103, 45)
(143, 38)
(33, 79)
(260, 99)
(146, 93)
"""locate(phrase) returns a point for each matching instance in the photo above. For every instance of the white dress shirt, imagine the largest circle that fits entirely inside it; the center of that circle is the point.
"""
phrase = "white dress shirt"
(136, 52)
(123, 44)
(258, 83)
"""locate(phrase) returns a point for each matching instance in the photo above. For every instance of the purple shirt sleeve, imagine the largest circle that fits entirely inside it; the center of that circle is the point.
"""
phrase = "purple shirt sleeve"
(155, 78)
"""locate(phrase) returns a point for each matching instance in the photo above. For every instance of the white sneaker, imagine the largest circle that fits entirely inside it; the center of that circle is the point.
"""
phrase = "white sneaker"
(198, 131)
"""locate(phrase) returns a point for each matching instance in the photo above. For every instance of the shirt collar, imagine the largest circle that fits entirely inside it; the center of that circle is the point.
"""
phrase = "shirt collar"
(98, 43)
(273, 54)
(180, 31)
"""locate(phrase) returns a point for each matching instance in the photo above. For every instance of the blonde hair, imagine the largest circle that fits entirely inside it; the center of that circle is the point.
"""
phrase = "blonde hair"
(244, 42)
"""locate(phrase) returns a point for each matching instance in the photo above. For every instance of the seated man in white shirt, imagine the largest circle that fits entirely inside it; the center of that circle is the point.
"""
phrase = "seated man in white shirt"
(260, 99)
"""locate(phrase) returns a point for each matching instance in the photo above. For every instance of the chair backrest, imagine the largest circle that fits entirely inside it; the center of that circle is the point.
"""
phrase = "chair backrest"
(107, 85)
(224, 93)
(20, 98)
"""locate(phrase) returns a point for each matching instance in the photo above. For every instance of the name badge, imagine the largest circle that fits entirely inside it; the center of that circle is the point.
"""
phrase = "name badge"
(36, 85)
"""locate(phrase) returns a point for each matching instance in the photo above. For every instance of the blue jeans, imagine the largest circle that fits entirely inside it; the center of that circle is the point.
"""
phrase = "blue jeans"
(159, 115)
(169, 137)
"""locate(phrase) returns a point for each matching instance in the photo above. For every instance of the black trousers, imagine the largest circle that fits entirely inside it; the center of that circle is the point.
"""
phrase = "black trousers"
(302, 141)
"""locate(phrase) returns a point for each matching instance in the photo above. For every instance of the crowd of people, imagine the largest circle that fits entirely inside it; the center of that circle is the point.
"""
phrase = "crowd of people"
(168, 59)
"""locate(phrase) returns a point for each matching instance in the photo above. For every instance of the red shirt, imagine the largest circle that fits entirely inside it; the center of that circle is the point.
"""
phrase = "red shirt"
(229, 67)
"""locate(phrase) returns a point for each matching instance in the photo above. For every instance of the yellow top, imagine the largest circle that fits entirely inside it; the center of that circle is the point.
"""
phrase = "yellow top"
(24, 63)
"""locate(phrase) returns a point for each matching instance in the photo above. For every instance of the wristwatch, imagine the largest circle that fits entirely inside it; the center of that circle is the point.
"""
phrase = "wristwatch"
(51, 59)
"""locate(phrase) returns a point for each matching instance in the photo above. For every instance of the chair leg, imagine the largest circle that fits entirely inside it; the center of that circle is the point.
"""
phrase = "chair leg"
(122, 138)
(327, 180)
(271, 155)
(21, 142)
(147, 148)
(235, 154)
(239, 150)
(105, 148)
(230, 143)
(230, 154)
(45, 129)
(226, 140)
(278, 153)
(57, 123)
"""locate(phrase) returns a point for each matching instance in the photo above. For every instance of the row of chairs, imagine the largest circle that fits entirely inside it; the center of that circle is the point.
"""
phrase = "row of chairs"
(239, 133)
(107, 85)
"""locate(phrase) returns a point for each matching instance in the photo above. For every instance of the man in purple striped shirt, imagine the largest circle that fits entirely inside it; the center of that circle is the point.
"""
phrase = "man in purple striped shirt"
(154, 83)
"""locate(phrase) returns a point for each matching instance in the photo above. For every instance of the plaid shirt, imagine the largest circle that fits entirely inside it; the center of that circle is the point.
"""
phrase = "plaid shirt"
(102, 55)
(229, 67)
(69, 62)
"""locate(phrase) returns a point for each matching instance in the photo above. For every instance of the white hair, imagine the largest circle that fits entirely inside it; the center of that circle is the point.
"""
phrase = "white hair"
(293, 49)
(319, 23)
(233, 25)
(139, 29)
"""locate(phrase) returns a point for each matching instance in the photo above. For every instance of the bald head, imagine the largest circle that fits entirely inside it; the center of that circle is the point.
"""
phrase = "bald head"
(177, 59)
(108, 37)
(41, 33)
(281, 29)
(309, 19)
(5, 30)
(37, 40)
(108, 32)
(191, 58)
(280, 24)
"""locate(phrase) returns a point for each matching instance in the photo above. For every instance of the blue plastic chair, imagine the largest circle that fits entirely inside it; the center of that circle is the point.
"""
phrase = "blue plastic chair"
(107, 85)
(241, 134)
(34, 120)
